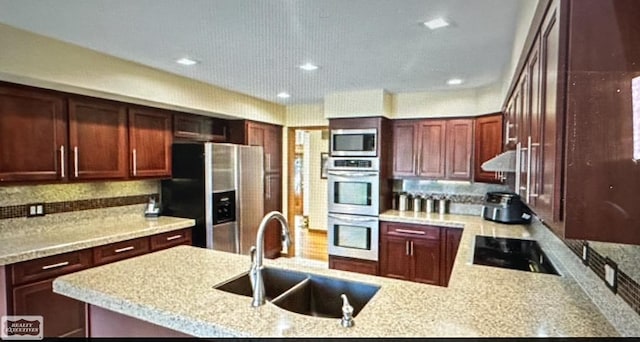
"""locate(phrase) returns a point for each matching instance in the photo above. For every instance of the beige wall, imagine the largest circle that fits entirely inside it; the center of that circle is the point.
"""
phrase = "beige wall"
(305, 115)
(356, 104)
(448, 103)
(317, 187)
(35, 60)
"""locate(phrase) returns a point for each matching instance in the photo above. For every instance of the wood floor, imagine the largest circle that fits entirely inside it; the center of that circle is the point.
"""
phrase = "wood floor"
(313, 244)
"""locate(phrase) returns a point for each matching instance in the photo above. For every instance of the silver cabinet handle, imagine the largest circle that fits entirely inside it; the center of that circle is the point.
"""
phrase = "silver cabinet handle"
(352, 219)
(268, 159)
(62, 161)
(352, 174)
(506, 133)
(406, 248)
(60, 264)
(75, 160)
(411, 247)
(124, 249)
(267, 189)
(532, 146)
(135, 162)
(174, 237)
(408, 231)
(528, 186)
(518, 167)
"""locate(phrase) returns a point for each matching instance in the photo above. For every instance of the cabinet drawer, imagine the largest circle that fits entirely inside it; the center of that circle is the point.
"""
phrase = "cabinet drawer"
(171, 239)
(120, 250)
(410, 230)
(49, 267)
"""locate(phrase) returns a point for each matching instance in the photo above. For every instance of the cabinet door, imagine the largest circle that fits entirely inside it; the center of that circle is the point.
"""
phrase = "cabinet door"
(432, 147)
(425, 261)
(63, 316)
(97, 139)
(488, 144)
(395, 260)
(273, 149)
(150, 139)
(33, 135)
(273, 201)
(189, 127)
(459, 149)
(548, 200)
(535, 127)
(353, 265)
(452, 242)
(405, 150)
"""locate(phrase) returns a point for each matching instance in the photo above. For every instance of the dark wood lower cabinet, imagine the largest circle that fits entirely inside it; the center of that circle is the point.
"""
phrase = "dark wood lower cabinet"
(353, 265)
(418, 253)
(62, 316)
(29, 283)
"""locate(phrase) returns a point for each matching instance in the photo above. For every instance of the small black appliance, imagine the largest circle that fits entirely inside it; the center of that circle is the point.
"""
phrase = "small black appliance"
(505, 207)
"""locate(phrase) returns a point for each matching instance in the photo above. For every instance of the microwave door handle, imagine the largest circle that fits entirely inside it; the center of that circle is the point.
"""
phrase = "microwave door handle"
(352, 219)
(352, 174)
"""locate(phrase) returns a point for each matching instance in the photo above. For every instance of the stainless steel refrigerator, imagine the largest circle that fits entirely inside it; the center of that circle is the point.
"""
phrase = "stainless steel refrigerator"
(221, 186)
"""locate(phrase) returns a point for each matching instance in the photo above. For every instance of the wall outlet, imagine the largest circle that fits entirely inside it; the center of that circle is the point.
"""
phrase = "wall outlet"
(585, 253)
(611, 275)
(36, 209)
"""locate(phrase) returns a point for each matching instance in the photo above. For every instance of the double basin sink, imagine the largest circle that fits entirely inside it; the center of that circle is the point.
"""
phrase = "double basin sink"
(304, 293)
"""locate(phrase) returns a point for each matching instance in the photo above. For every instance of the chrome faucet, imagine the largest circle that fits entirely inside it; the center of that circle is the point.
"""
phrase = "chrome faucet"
(257, 256)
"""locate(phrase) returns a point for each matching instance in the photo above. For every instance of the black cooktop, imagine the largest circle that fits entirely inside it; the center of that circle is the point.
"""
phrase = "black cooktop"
(516, 254)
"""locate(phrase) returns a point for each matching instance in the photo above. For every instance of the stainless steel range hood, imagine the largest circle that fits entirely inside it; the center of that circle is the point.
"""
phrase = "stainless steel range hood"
(504, 162)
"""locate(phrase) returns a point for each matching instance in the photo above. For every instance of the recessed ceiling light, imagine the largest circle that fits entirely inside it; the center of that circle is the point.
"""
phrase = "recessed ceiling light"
(454, 81)
(436, 23)
(308, 67)
(283, 95)
(186, 61)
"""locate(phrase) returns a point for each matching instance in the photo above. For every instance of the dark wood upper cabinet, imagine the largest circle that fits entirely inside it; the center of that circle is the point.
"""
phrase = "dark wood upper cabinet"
(432, 145)
(488, 144)
(459, 148)
(150, 139)
(405, 133)
(436, 149)
(33, 135)
(191, 127)
(576, 94)
(97, 139)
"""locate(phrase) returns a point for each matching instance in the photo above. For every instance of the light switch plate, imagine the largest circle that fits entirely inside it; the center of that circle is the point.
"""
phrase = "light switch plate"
(35, 209)
(611, 275)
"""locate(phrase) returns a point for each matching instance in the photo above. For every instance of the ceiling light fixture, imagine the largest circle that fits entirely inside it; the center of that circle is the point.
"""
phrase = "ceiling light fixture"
(454, 81)
(283, 95)
(308, 67)
(436, 23)
(186, 61)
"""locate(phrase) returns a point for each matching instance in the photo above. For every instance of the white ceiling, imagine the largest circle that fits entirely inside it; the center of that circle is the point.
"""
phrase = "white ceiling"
(255, 46)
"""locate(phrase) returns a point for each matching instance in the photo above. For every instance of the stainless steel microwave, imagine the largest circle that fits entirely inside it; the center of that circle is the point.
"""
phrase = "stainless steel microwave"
(354, 142)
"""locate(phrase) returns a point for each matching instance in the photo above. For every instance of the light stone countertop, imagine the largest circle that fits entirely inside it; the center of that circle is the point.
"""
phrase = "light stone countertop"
(480, 301)
(37, 241)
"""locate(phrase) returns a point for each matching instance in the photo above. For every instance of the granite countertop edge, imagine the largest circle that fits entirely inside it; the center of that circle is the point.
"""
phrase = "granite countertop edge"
(88, 235)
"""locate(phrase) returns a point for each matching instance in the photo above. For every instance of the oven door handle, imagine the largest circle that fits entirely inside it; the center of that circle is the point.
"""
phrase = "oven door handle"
(353, 219)
(353, 174)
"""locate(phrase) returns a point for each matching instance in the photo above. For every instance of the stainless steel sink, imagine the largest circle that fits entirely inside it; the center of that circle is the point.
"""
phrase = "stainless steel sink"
(276, 282)
(305, 293)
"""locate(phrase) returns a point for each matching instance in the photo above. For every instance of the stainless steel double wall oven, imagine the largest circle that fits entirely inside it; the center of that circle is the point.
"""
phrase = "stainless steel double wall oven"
(354, 194)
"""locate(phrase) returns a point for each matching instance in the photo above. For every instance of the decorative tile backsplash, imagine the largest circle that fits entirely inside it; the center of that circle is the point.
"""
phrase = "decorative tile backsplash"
(465, 197)
(68, 197)
(627, 288)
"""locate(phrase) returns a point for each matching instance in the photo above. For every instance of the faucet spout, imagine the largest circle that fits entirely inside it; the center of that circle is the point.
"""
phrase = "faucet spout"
(256, 262)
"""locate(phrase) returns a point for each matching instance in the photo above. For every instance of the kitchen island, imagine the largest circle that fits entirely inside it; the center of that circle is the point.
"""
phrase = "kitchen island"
(173, 291)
